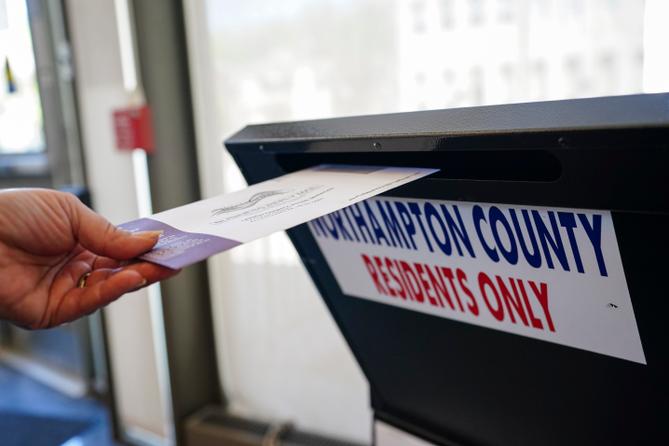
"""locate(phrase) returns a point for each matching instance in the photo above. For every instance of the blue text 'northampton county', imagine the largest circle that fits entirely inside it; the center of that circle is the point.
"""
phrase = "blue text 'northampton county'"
(507, 234)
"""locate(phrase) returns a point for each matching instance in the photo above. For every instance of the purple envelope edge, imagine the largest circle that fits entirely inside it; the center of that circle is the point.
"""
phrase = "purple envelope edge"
(177, 249)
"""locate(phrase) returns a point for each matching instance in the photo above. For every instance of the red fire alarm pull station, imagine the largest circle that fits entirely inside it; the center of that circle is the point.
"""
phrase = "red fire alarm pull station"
(133, 128)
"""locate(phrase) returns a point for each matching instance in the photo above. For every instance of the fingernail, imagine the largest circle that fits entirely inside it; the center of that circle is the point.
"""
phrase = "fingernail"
(150, 235)
(140, 285)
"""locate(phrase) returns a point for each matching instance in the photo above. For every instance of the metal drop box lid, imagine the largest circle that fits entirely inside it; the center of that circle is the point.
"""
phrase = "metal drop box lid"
(453, 382)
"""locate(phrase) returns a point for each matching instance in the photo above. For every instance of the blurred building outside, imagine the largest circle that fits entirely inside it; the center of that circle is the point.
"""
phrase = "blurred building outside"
(21, 126)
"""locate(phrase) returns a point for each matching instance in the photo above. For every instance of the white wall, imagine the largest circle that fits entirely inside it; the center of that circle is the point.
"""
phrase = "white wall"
(142, 403)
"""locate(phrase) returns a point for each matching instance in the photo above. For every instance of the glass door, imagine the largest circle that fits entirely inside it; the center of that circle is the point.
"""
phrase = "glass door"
(39, 147)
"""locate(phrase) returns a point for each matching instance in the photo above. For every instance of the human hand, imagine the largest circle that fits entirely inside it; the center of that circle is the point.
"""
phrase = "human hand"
(48, 241)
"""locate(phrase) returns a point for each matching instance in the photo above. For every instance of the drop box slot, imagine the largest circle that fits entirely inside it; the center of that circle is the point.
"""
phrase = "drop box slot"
(481, 165)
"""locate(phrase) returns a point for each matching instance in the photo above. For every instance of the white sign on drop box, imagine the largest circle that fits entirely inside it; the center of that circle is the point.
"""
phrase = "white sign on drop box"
(552, 274)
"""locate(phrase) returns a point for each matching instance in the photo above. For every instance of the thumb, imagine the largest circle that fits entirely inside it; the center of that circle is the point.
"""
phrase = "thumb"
(99, 236)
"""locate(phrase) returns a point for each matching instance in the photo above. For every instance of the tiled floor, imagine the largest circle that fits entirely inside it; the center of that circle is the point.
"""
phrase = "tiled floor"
(22, 395)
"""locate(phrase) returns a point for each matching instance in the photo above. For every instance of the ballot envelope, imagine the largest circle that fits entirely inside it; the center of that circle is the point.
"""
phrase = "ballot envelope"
(514, 297)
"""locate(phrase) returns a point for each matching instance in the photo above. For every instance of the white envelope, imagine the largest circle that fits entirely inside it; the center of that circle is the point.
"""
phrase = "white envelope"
(193, 232)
